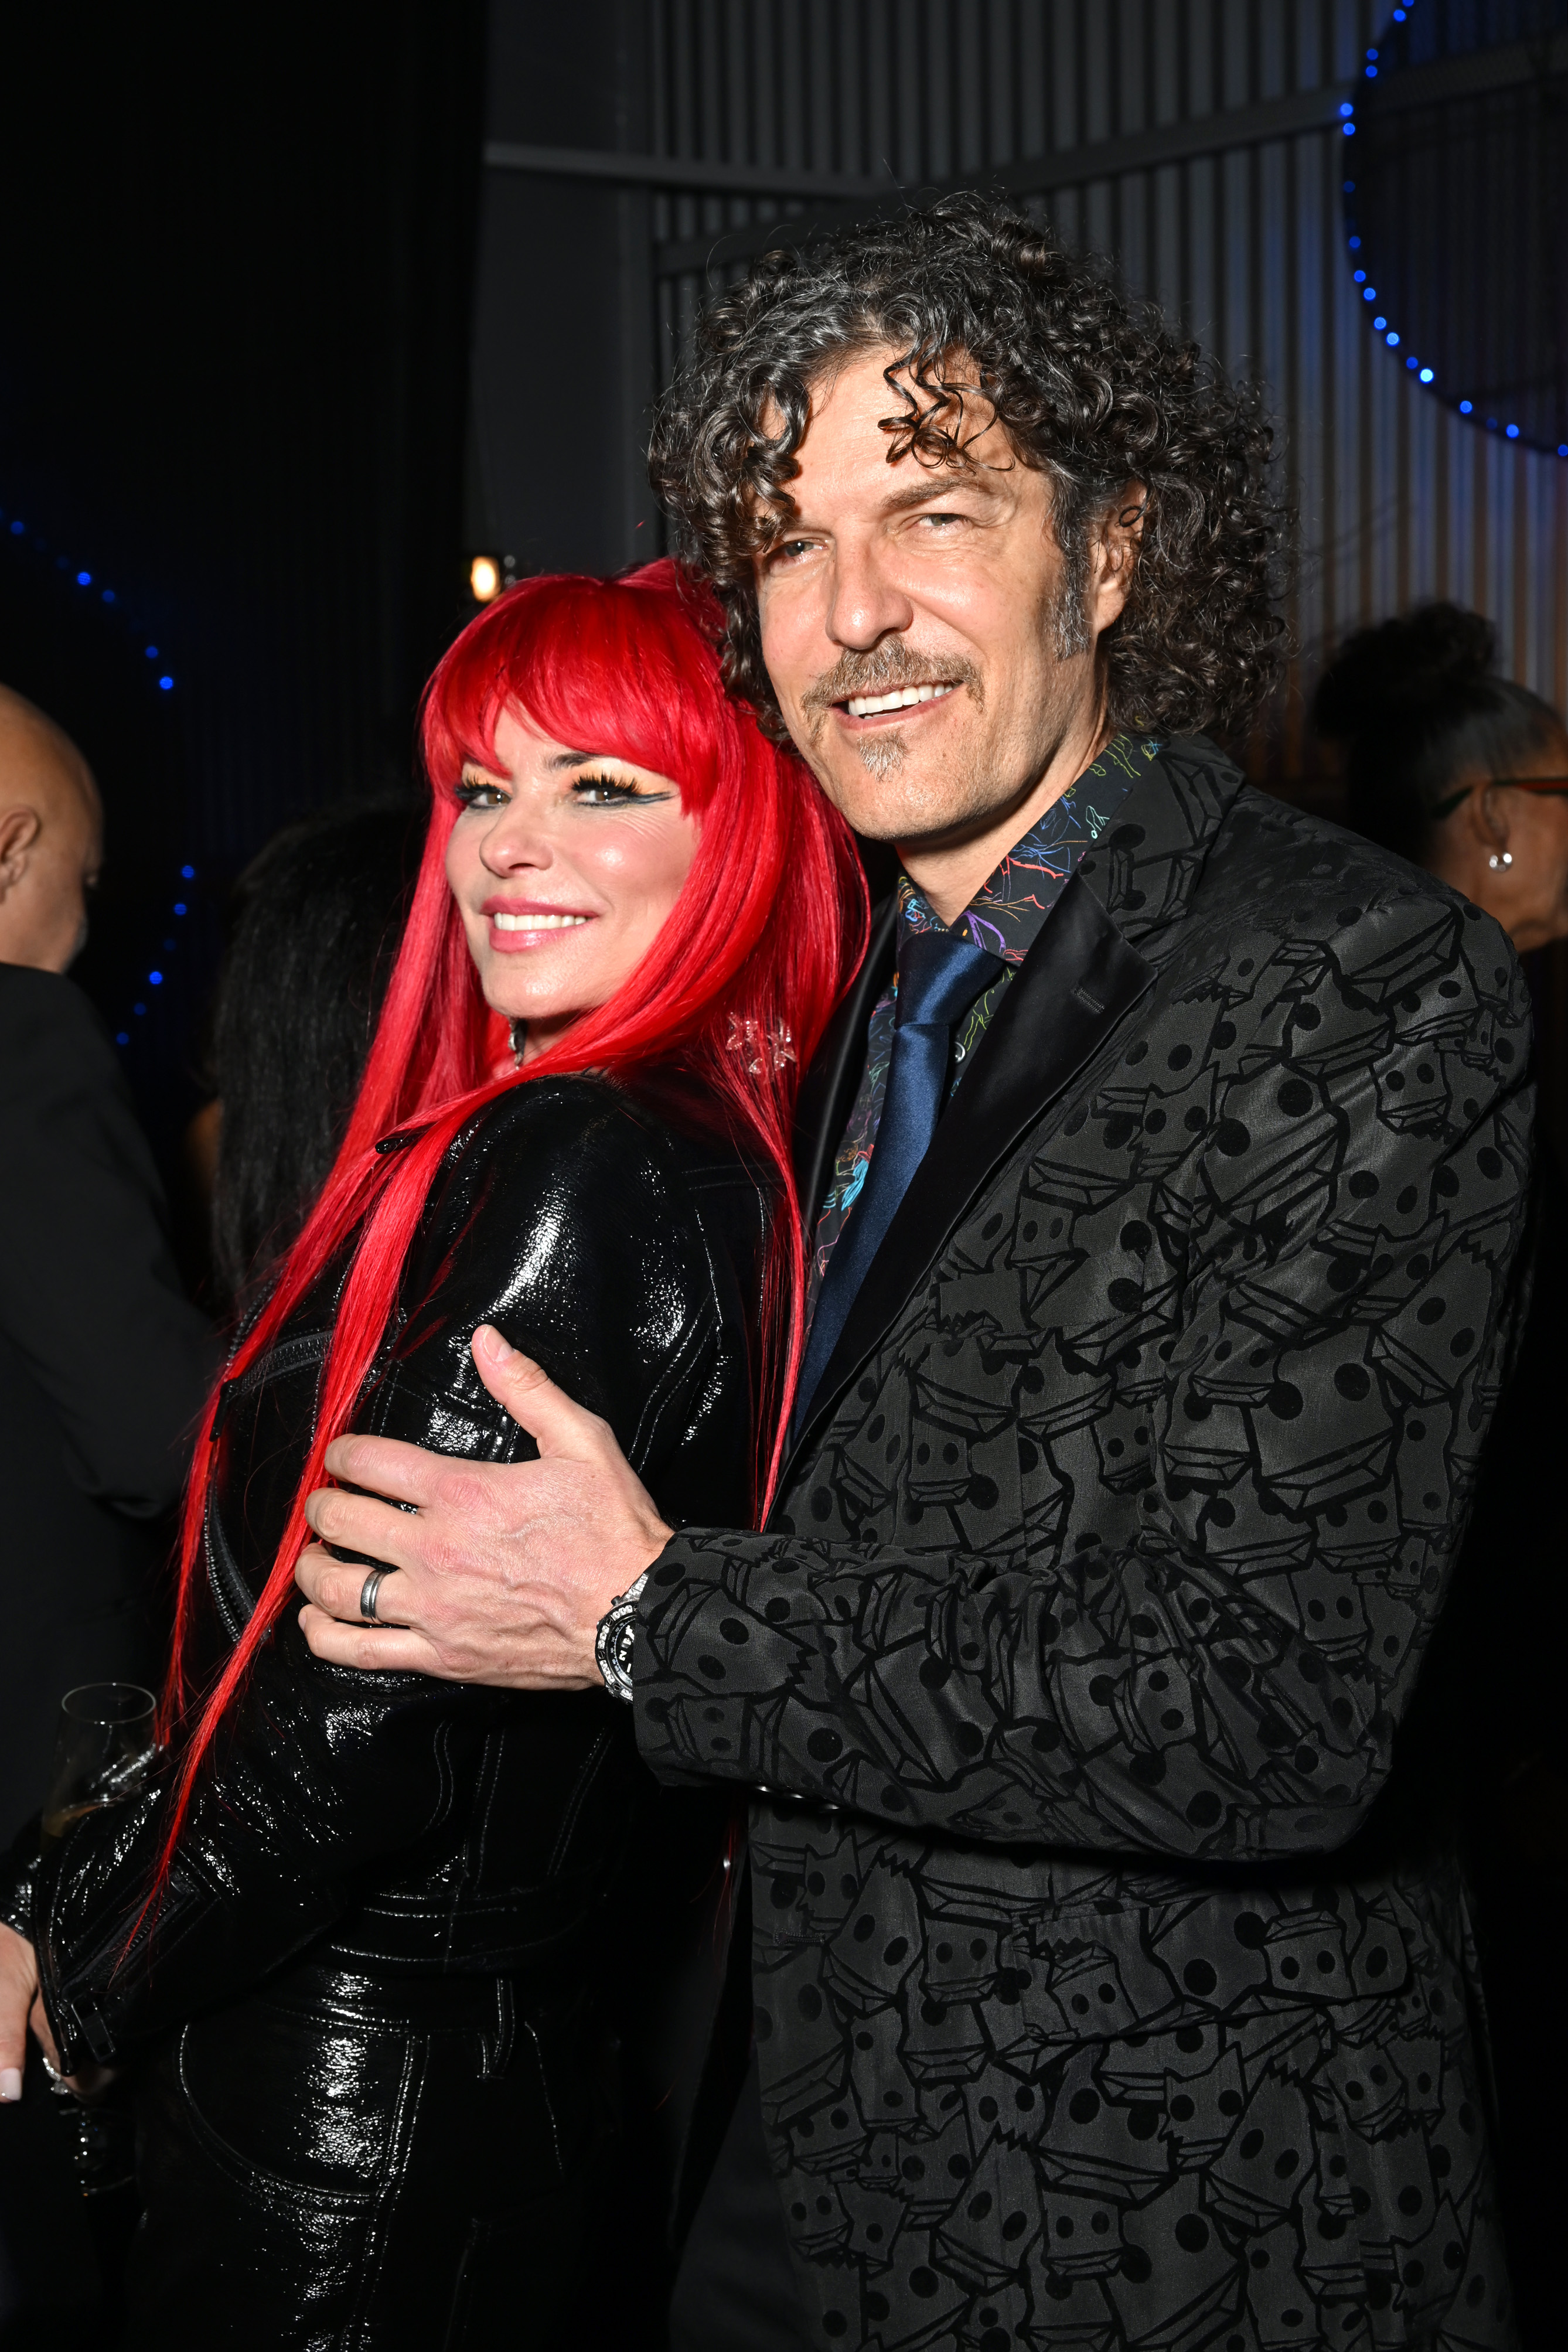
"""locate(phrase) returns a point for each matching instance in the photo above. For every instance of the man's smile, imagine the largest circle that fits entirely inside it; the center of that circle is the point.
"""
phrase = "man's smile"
(900, 698)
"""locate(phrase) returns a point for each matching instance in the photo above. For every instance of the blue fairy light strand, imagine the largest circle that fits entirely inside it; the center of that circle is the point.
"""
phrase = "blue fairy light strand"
(165, 683)
(1381, 324)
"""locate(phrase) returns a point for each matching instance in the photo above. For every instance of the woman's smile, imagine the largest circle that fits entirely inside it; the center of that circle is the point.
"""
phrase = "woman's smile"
(518, 924)
(564, 865)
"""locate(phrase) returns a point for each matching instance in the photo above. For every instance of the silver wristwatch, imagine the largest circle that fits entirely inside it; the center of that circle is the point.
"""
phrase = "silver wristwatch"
(613, 1641)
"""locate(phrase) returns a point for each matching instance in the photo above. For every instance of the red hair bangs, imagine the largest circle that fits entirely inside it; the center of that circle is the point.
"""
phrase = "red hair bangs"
(622, 667)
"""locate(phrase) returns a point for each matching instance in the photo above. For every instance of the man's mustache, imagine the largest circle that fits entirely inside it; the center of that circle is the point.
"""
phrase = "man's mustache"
(892, 663)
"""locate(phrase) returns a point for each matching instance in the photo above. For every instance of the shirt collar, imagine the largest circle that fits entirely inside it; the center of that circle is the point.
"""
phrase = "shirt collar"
(1008, 910)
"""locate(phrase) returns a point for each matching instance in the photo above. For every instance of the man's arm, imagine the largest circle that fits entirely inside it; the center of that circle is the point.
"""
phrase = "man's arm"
(504, 1570)
(1168, 1692)
(85, 1251)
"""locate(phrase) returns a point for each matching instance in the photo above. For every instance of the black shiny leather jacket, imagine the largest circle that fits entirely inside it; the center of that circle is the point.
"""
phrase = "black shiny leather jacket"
(391, 1822)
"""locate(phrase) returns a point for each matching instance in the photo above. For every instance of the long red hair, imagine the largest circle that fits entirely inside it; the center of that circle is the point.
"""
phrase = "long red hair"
(769, 923)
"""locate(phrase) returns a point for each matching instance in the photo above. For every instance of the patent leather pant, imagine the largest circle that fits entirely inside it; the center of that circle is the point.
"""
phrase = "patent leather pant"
(350, 2164)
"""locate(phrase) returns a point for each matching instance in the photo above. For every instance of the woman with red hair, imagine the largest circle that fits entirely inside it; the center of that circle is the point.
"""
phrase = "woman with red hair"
(350, 1926)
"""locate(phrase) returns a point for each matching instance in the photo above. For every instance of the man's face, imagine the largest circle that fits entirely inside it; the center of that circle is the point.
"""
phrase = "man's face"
(943, 588)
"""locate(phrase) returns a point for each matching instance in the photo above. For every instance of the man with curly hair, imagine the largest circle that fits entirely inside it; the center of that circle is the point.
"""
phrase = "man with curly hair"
(1164, 1167)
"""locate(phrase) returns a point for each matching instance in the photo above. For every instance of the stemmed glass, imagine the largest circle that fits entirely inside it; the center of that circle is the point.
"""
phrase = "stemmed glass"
(103, 1751)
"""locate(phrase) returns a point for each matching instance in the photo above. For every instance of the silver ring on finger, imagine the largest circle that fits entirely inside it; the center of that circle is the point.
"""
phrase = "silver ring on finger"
(368, 1592)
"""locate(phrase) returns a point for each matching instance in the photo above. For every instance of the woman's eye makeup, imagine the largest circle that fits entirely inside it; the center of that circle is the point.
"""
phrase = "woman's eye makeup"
(610, 791)
(585, 791)
(474, 793)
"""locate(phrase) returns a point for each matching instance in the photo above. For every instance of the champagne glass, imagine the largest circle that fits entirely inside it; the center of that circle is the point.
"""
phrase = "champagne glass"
(103, 1750)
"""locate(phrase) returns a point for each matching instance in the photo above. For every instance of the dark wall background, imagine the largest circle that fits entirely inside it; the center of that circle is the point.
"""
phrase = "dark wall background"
(563, 319)
(235, 304)
(278, 353)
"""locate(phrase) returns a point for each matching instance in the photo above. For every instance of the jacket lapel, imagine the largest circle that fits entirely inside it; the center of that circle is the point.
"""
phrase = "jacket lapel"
(829, 1087)
(1078, 980)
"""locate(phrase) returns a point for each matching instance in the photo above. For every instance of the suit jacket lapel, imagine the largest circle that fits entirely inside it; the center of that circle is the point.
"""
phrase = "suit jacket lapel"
(829, 1089)
(1076, 983)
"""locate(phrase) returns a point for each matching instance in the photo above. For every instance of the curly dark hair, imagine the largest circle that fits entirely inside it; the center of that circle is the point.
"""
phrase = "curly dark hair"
(1092, 389)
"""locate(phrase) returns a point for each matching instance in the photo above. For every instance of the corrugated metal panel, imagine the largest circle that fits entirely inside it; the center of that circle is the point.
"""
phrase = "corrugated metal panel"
(1399, 499)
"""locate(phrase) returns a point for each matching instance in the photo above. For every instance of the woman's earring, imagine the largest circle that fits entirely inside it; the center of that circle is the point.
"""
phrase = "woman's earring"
(1497, 861)
(518, 1032)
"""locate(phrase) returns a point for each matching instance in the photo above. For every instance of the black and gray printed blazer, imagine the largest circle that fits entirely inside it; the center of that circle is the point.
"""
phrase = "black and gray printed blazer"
(1111, 1988)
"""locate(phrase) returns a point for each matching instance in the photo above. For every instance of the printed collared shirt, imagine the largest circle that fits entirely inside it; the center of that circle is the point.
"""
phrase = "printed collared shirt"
(1006, 915)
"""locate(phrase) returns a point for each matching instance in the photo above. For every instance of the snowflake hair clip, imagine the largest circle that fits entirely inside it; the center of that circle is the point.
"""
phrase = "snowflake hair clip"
(755, 1039)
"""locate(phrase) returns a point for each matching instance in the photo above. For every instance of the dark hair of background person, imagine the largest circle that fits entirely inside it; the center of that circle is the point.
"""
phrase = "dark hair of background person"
(1095, 391)
(317, 917)
(1416, 704)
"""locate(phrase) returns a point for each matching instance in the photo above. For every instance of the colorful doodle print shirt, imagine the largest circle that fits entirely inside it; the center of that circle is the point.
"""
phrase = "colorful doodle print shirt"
(1006, 915)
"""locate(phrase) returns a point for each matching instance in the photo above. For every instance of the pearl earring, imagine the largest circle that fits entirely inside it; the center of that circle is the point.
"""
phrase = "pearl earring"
(1496, 863)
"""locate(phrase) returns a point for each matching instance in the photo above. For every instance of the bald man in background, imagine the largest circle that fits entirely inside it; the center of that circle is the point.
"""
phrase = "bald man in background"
(103, 1365)
(92, 1433)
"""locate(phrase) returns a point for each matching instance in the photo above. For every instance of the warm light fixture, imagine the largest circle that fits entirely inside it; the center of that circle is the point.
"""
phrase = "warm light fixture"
(484, 579)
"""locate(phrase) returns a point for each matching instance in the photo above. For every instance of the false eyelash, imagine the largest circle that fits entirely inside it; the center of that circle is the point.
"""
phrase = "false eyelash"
(609, 784)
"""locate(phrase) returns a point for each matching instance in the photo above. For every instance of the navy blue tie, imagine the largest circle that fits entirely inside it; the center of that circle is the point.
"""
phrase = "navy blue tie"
(940, 973)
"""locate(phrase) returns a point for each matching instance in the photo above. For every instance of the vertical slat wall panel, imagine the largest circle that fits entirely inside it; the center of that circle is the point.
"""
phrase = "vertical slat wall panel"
(1398, 498)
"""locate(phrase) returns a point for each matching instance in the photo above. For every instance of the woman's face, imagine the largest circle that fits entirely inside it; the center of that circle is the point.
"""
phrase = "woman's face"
(1508, 849)
(564, 864)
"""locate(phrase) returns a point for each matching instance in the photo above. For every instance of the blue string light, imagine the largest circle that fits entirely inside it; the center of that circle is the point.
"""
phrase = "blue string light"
(165, 684)
(1381, 325)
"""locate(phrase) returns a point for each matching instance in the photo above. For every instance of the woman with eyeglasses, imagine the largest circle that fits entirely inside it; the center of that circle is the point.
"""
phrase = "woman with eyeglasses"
(1466, 773)
(1456, 769)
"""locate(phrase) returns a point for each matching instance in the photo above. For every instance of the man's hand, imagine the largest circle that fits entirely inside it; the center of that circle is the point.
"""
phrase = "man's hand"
(20, 2004)
(503, 1570)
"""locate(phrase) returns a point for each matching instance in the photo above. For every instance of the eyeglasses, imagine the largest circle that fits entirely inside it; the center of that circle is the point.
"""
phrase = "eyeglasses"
(1514, 783)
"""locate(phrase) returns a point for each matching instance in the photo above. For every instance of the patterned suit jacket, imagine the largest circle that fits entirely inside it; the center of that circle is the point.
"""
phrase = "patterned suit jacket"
(1108, 1989)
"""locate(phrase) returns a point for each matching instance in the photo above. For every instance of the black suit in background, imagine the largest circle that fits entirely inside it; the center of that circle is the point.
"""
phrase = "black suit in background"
(1113, 1973)
(103, 1367)
(103, 1363)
